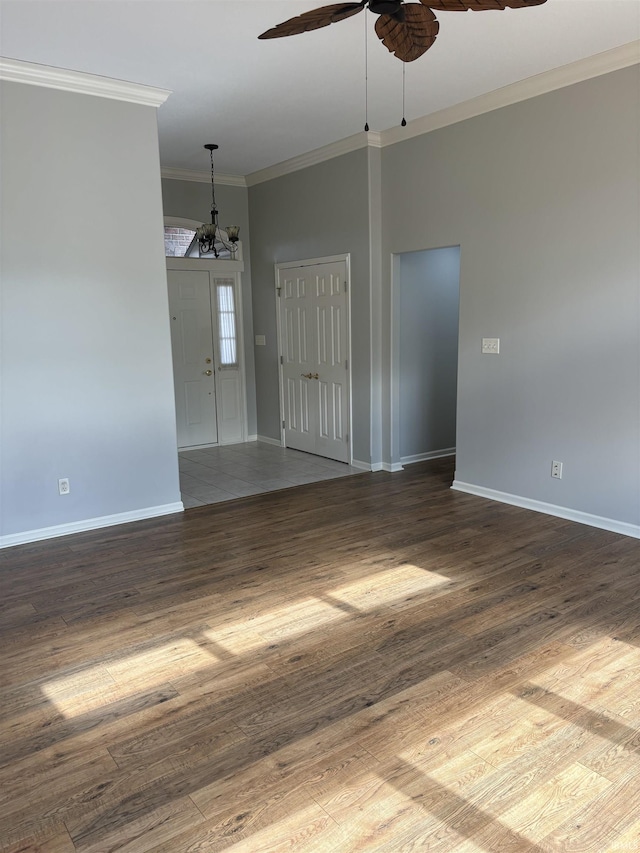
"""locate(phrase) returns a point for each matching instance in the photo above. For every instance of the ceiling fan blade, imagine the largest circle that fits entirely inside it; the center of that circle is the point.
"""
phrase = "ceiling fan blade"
(479, 5)
(314, 19)
(409, 34)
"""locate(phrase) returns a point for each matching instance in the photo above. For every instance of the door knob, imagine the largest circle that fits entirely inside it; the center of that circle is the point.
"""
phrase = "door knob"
(207, 372)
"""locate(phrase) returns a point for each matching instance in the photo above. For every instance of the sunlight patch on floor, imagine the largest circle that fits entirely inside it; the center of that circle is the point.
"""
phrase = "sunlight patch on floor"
(303, 616)
(295, 619)
(304, 826)
(112, 680)
(384, 587)
(554, 802)
(281, 623)
(453, 788)
(96, 686)
(594, 675)
(82, 691)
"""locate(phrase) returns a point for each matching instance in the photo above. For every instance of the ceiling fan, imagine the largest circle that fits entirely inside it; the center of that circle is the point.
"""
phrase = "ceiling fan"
(406, 29)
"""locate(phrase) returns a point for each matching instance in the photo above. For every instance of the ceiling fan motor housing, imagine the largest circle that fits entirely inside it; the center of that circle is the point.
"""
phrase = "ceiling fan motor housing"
(385, 7)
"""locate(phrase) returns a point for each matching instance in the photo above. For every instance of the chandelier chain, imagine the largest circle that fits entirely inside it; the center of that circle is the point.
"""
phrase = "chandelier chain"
(213, 186)
(366, 78)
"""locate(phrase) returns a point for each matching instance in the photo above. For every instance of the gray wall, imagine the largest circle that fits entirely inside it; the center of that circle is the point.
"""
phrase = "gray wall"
(316, 212)
(542, 197)
(192, 200)
(428, 337)
(87, 387)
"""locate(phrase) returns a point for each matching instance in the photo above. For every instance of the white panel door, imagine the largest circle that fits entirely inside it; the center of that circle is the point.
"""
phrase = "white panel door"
(330, 315)
(314, 340)
(192, 347)
(298, 359)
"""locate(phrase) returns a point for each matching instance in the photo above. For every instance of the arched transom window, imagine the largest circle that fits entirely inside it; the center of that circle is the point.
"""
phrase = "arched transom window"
(180, 242)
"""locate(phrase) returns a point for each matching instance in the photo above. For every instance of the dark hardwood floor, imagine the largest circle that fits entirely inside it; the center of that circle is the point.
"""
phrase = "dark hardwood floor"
(369, 664)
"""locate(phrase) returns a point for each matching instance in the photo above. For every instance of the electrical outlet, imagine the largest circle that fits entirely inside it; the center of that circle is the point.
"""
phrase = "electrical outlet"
(491, 346)
(556, 470)
(63, 486)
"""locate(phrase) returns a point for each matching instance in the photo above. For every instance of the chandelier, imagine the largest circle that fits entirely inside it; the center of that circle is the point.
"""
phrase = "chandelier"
(208, 235)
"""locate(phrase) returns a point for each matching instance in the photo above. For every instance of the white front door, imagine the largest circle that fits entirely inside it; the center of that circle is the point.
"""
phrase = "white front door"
(314, 329)
(192, 347)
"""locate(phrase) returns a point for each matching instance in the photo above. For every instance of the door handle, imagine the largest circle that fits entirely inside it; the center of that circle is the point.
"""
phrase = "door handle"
(310, 375)
(207, 372)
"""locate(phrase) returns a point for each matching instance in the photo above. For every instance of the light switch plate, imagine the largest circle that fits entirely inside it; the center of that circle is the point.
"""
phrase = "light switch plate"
(490, 346)
(261, 341)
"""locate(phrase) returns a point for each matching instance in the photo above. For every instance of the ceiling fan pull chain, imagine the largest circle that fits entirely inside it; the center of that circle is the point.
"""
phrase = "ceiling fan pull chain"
(403, 123)
(366, 78)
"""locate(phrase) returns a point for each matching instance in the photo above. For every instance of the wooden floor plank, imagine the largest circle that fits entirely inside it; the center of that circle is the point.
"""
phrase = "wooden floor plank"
(427, 671)
(153, 829)
(547, 807)
(286, 823)
(55, 840)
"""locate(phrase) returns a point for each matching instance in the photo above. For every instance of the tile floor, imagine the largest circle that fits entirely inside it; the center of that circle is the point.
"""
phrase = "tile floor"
(238, 470)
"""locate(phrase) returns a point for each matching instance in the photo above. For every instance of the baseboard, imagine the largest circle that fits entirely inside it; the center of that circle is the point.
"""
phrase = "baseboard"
(88, 524)
(598, 521)
(431, 454)
(266, 440)
(361, 466)
(217, 444)
(392, 467)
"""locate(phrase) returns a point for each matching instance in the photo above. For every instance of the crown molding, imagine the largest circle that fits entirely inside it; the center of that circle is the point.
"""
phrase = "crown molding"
(549, 81)
(203, 177)
(567, 75)
(371, 139)
(17, 71)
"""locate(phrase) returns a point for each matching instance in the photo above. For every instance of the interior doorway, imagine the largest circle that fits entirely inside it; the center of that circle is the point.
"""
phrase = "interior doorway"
(427, 322)
(314, 342)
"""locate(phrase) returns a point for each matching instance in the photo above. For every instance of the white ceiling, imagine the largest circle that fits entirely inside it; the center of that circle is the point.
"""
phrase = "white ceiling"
(266, 101)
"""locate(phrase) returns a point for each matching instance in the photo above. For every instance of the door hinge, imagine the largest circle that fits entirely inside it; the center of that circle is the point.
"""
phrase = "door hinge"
(345, 285)
(283, 424)
(346, 364)
(279, 289)
(281, 359)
